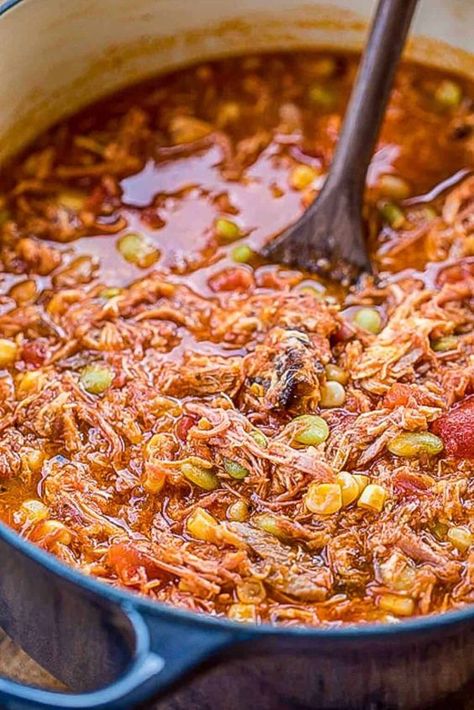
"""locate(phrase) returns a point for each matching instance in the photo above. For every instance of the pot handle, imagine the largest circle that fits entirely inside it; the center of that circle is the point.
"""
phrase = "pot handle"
(183, 647)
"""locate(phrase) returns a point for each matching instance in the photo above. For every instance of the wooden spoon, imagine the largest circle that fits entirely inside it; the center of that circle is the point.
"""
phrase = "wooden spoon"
(329, 237)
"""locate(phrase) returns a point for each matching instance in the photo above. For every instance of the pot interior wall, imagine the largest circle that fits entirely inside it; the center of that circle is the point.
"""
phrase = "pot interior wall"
(58, 56)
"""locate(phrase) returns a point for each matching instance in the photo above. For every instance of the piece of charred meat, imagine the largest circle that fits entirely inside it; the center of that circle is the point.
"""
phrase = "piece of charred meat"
(288, 367)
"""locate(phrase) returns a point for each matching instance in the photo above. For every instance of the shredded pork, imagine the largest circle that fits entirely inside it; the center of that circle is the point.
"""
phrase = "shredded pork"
(138, 397)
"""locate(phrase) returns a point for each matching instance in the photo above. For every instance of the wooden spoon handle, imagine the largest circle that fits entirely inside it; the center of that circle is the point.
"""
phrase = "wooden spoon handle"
(329, 237)
(370, 94)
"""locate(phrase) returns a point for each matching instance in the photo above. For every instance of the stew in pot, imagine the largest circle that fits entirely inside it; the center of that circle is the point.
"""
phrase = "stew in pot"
(179, 417)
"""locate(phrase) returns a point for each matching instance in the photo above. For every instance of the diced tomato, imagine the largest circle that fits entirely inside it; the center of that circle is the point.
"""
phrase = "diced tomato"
(35, 353)
(408, 482)
(456, 429)
(232, 279)
(183, 426)
(399, 395)
(277, 278)
(458, 272)
(126, 560)
(343, 333)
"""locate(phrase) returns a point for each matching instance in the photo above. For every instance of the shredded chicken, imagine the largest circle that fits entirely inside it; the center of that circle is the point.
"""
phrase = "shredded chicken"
(218, 433)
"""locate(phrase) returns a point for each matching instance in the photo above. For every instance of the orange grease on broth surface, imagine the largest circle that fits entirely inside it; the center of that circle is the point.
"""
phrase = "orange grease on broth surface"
(254, 123)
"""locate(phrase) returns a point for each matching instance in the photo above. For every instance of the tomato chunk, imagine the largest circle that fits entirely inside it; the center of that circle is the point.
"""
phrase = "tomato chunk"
(183, 426)
(399, 395)
(35, 353)
(126, 560)
(232, 279)
(456, 429)
(464, 269)
(410, 483)
(277, 278)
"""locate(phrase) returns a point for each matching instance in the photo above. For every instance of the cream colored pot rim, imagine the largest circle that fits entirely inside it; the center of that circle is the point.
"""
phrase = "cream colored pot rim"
(62, 56)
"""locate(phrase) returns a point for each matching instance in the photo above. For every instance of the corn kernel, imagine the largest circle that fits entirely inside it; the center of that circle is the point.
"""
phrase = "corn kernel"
(56, 530)
(251, 591)
(394, 187)
(202, 525)
(72, 200)
(399, 606)
(468, 246)
(157, 445)
(349, 487)
(243, 612)
(323, 498)
(131, 430)
(372, 497)
(32, 511)
(362, 481)
(204, 424)
(257, 390)
(428, 213)
(154, 479)
(29, 383)
(34, 459)
(228, 112)
(154, 450)
(302, 176)
(461, 538)
(187, 129)
(185, 586)
(322, 67)
(24, 292)
(448, 94)
(439, 530)
(8, 352)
